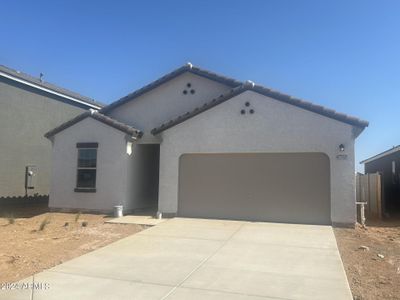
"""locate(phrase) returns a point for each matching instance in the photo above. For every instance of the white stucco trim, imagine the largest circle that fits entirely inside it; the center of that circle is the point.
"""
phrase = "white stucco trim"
(48, 90)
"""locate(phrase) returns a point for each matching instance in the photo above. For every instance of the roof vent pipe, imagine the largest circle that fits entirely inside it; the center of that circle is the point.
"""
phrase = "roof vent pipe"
(41, 77)
(249, 83)
(189, 64)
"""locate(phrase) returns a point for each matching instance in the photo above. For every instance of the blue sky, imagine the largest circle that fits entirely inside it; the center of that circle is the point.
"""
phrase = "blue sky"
(341, 54)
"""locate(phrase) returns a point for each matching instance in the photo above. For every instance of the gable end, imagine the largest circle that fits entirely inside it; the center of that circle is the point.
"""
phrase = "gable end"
(186, 68)
(249, 86)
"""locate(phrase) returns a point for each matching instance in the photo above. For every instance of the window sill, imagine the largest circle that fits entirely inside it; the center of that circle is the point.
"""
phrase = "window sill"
(85, 190)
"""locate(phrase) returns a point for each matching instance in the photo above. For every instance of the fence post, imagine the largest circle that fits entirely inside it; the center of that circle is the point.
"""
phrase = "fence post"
(362, 212)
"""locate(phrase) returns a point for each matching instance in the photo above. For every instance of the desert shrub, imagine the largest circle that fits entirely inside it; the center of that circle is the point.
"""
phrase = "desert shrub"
(77, 216)
(44, 223)
(11, 219)
(85, 224)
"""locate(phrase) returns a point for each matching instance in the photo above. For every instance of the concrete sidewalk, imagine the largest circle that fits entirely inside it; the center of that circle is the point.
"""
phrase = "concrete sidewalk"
(203, 259)
(137, 219)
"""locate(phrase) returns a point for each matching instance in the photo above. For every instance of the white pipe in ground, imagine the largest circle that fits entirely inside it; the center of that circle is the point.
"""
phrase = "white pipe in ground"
(118, 211)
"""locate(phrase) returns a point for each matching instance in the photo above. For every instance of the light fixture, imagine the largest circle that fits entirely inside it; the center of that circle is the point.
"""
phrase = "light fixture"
(341, 147)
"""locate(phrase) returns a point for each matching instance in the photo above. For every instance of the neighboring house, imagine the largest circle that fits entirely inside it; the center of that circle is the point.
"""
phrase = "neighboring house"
(29, 108)
(387, 164)
(197, 144)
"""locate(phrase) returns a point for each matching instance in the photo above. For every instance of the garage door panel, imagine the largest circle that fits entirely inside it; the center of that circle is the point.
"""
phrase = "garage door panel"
(280, 187)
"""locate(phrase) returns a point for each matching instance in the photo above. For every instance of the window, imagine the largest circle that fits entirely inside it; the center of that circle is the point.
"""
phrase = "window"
(87, 167)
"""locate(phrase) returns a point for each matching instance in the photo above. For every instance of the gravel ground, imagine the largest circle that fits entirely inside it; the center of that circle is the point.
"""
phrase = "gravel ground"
(25, 249)
(371, 257)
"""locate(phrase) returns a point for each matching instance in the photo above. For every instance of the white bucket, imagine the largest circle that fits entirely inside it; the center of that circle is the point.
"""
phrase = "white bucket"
(118, 211)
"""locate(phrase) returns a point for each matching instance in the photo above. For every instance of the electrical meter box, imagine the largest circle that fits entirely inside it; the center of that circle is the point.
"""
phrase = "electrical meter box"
(30, 176)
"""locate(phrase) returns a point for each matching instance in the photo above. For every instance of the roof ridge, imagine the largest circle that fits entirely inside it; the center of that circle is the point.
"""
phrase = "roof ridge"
(47, 85)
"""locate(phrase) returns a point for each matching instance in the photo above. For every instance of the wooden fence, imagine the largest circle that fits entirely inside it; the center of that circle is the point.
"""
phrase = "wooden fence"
(369, 191)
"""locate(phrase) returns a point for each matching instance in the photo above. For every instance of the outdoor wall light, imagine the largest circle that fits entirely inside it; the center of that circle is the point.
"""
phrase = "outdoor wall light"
(341, 147)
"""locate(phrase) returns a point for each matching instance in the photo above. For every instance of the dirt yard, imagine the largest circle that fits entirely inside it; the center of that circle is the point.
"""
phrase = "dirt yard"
(371, 257)
(25, 249)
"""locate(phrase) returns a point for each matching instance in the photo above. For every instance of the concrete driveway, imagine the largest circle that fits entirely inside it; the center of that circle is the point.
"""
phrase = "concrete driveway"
(202, 259)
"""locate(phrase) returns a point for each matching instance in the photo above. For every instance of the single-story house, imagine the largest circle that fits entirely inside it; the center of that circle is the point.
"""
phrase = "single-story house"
(197, 144)
(387, 164)
(30, 107)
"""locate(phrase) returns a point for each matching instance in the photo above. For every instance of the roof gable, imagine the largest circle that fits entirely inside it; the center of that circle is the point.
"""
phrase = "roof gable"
(99, 117)
(186, 68)
(250, 86)
(237, 88)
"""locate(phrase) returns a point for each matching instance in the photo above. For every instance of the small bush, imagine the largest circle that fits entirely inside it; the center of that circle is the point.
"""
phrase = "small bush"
(44, 223)
(77, 216)
(12, 259)
(85, 224)
(11, 219)
(66, 224)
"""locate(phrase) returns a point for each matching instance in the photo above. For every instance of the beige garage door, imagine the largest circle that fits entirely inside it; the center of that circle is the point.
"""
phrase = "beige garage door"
(276, 187)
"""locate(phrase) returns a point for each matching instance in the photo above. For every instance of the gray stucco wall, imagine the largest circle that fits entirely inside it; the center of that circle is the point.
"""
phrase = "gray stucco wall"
(274, 127)
(112, 167)
(167, 102)
(26, 114)
(131, 180)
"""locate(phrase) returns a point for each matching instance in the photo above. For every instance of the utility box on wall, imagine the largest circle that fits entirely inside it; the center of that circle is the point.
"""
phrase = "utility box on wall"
(30, 177)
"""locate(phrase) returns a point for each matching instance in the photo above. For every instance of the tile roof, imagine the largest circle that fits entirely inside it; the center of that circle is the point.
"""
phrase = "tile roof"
(99, 117)
(394, 149)
(249, 86)
(186, 68)
(45, 85)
